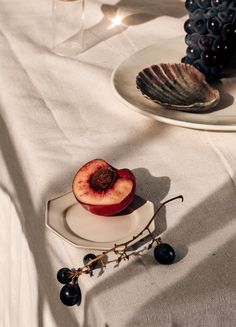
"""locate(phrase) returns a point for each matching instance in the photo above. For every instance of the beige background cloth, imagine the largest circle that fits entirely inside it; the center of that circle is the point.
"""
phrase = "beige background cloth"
(57, 113)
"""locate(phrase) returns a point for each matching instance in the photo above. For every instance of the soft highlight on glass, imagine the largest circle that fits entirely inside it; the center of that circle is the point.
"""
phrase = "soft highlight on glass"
(68, 27)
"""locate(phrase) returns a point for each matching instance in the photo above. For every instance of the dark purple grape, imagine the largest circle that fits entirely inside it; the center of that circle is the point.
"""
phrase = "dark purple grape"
(229, 32)
(200, 26)
(210, 58)
(191, 5)
(205, 42)
(187, 60)
(201, 67)
(164, 254)
(220, 46)
(63, 276)
(227, 16)
(88, 257)
(210, 13)
(192, 39)
(188, 26)
(219, 4)
(193, 52)
(197, 14)
(214, 25)
(188, 39)
(70, 294)
(211, 35)
(204, 3)
(217, 70)
(232, 4)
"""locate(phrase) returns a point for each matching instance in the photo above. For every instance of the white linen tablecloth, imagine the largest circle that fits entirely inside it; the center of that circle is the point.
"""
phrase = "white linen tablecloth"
(57, 113)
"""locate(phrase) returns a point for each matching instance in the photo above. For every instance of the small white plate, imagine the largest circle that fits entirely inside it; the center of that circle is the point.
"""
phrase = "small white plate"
(69, 220)
(222, 118)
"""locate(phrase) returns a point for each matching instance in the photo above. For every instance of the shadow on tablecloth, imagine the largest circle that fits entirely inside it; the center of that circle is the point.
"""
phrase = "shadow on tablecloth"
(132, 13)
(202, 295)
(33, 228)
(153, 189)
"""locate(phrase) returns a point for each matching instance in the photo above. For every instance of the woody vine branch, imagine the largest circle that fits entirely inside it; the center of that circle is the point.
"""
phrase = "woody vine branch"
(121, 249)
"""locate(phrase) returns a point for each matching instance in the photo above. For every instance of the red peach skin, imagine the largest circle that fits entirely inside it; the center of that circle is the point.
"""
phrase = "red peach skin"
(112, 199)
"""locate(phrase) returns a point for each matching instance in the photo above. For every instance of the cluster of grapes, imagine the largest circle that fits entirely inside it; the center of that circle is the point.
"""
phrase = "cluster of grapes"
(211, 35)
(71, 294)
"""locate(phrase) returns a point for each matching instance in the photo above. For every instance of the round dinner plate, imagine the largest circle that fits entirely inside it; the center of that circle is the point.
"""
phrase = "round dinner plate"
(69, 220)
(222, 118)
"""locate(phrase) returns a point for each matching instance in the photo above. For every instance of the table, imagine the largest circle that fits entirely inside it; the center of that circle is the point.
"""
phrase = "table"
(56, 114)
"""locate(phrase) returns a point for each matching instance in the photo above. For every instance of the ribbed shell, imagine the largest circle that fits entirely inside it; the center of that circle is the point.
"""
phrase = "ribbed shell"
(177, 86)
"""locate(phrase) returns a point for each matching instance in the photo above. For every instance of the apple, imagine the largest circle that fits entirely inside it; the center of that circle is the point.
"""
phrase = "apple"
(103, 189)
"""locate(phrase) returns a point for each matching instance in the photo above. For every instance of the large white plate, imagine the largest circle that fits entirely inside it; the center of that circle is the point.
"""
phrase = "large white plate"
(69, 220)
(222, 118)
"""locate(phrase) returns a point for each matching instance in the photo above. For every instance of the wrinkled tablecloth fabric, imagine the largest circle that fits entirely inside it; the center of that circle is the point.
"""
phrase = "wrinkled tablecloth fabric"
(57, 113)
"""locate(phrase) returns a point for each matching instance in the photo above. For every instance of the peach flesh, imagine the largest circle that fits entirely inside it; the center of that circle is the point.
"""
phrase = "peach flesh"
(103, 189)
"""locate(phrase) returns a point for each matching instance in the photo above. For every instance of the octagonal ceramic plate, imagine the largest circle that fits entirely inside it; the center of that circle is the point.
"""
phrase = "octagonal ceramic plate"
(70, 221)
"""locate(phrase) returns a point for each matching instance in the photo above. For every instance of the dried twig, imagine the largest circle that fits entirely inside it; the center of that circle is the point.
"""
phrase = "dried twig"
(121, 249)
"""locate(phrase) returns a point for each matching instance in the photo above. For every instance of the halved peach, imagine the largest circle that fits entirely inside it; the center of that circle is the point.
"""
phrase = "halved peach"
(103, 189)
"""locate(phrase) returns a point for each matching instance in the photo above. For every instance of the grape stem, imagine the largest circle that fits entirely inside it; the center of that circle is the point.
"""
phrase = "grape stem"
(116, 248)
